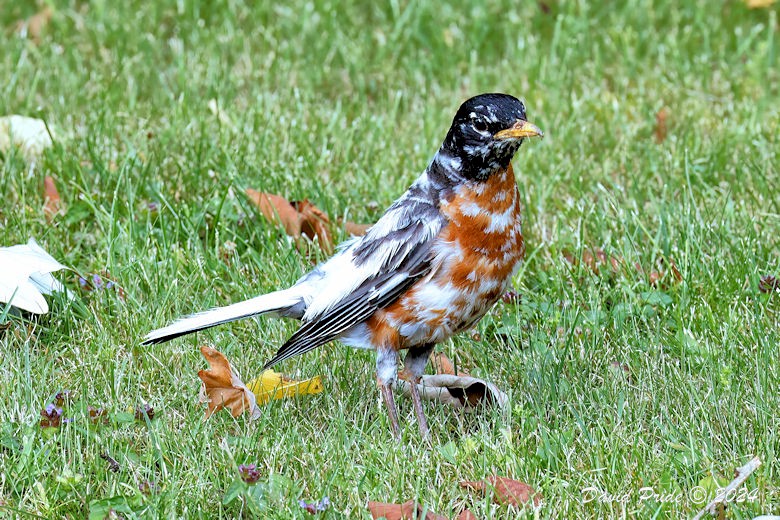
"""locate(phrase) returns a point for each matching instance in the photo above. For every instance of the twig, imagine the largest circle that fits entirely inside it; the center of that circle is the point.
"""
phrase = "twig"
(742, 474)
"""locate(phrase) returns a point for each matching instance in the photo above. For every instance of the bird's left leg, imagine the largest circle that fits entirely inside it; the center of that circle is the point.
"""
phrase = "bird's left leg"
(414, 365)
(386, 374)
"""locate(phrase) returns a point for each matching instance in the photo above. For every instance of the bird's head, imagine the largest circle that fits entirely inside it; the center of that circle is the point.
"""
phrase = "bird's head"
(485, 134)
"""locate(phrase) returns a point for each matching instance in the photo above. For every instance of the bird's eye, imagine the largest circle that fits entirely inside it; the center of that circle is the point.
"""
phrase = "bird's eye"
(480, 125)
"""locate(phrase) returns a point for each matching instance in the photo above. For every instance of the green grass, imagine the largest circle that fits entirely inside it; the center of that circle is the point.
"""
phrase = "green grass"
(344, 105)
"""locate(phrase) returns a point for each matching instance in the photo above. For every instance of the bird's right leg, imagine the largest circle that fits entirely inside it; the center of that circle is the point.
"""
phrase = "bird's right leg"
(386, 374)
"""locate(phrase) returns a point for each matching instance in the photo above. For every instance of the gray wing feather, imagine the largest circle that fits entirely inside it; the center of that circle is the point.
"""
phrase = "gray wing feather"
(403, 255)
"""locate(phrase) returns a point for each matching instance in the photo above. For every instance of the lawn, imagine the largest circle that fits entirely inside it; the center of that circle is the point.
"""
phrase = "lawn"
(635, 391)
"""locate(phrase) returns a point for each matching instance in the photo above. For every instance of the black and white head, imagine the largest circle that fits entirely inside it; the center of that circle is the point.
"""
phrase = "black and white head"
(485, 134)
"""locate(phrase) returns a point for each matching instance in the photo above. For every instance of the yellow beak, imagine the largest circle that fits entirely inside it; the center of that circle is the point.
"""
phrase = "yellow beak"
(519, 129)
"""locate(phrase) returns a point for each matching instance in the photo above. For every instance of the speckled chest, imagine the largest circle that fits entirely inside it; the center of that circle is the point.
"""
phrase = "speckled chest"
(476, 255)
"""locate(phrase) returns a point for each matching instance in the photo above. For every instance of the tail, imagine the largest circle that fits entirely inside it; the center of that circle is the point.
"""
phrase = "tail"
(285, 302)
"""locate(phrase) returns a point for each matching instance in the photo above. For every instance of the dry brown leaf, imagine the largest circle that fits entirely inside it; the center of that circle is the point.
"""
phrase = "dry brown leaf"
(277, 210)
(443, 365)
(354, 229)
(51, 204)
(661, 129)
(458, 391)
(466, 515)
(34, 26)
(506, 491)
(314, 223)
(675, 272)
(223, 388)
(407, 511)
(301, 218)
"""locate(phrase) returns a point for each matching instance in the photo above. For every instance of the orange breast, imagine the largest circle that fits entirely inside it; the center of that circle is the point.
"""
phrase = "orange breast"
(476, 255)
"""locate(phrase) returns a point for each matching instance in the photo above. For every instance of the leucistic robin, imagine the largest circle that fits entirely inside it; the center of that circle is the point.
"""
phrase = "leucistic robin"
(433, 265)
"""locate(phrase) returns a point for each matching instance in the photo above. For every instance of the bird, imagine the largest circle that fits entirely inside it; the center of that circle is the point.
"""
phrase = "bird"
(433, 264)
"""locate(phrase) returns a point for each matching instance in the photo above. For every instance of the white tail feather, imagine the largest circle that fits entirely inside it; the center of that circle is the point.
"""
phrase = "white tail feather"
(272, 302)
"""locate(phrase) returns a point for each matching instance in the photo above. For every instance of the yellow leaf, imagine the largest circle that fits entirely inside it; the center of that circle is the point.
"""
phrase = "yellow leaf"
(758, 4)
(273, 385)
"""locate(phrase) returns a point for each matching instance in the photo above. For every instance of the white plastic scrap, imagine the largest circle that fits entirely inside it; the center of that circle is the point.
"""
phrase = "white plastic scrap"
(27, 133)
(25, 276)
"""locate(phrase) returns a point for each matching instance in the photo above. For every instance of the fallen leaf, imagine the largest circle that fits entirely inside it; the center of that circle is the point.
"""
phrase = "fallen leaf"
(356, 230)
(301, 218)
(758, 4)
(443, 365)
(314, 223)
(675, 272)
(458, 391)
(410, 510)
(25, 276)
(589, 260)
(34, 26)
(466, 515)
(51, 201)
(223, 388)
(506, 491)
(26, 133)
(661, 130)
(273, 385)
(654, 277)
(278, 210)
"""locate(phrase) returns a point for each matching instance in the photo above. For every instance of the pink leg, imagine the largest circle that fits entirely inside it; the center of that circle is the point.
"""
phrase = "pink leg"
(386, 374)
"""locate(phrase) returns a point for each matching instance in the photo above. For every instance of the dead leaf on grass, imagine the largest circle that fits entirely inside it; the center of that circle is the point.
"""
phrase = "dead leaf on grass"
(301, 218)
(466, 515)
(458, 391)
(51, 201)
(410, 510)
(314, 223)
(661, 129)
(222, 387)
(34, 26)
(278, 210)
(356, 230)
(506, 491)
(443, 365)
